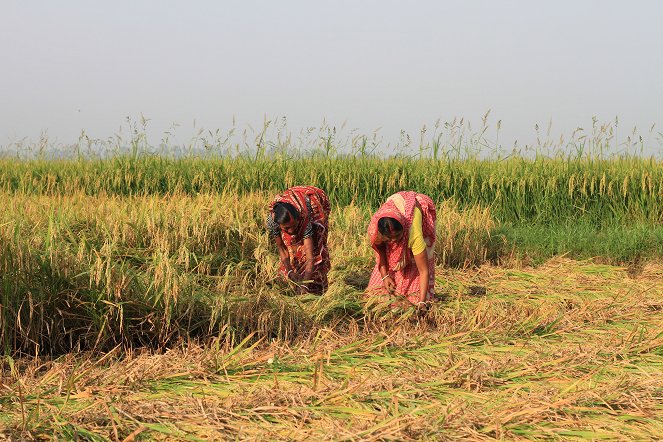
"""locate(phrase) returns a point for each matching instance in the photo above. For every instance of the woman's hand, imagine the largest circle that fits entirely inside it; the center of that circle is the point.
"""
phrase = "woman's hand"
(387, 280)
(284, 255)
(300, 280)
(421, 306)
(302, 289)
(422, 266)
(294, 276)
(389, 283)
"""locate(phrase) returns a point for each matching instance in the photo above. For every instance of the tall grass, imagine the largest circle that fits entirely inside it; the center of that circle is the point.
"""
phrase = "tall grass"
(516, 190)
(79, 271)
(140, 249)
(137, 250)
(590, 174)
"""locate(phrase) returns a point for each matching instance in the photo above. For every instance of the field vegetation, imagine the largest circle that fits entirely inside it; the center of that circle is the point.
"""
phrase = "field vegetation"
(139, 297)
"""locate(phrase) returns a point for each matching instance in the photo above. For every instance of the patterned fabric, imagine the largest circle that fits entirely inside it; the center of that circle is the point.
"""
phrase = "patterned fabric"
(400, 259)
(274, 230)
(313, 207)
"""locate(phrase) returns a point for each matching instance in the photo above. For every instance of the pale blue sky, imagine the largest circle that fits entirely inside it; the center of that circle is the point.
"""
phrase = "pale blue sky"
(72, 65)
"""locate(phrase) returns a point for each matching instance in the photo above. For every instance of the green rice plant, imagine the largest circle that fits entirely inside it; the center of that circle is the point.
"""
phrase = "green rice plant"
(541, 190)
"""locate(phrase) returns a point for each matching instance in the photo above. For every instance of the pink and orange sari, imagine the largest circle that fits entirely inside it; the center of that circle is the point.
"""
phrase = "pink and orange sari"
(400, 259)
(313, 207)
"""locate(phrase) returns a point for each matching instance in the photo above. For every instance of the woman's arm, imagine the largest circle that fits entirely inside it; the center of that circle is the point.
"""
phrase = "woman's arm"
(422, 265)
(284, 255)
(383, 267)
(307, 273)
(417, 244)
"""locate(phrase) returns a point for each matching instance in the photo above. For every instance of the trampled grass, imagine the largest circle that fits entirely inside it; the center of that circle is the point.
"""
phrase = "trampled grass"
(568, 350)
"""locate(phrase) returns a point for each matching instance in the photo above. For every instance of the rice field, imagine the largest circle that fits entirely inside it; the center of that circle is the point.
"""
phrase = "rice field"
(139, 301)
(517, 189)
(567, 351)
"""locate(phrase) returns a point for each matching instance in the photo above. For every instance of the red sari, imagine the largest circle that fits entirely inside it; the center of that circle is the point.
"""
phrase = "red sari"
(313, 207)
(400, 259)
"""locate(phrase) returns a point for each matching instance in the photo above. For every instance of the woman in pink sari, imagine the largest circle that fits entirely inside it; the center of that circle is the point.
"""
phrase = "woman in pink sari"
(298, 222)
(402, 234)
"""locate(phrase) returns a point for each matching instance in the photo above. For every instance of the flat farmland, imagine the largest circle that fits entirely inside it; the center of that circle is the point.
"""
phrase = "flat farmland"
(139, 301)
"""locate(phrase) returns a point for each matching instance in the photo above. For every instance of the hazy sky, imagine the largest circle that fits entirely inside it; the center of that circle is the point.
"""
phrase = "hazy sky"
(72, 65)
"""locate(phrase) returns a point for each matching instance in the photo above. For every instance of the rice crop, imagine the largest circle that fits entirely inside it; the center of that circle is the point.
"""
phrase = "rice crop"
(149, 250)
(544, 190)
(570, 350)
(81, 272)
(139, 300)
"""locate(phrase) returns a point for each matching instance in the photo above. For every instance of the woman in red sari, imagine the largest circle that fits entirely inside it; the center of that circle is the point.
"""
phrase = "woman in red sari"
(402, 233)
(298, 221)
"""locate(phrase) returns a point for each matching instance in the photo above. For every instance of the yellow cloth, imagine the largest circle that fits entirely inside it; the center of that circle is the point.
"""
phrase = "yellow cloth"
(416, 241)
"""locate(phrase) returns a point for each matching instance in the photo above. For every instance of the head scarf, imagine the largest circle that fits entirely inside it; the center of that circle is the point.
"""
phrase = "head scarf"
(400, 206)
(296, 196)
